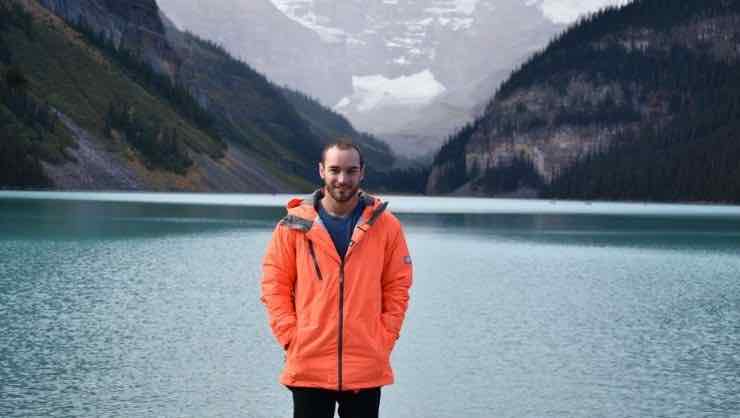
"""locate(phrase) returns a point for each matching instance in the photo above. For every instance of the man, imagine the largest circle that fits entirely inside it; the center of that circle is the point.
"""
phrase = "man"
(336, 280)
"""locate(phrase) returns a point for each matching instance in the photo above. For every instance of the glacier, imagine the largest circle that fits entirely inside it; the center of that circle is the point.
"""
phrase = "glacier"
(373, 91)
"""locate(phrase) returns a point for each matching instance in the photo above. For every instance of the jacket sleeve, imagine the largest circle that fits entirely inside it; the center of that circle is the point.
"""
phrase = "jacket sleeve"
(396, 282)
(278, 283)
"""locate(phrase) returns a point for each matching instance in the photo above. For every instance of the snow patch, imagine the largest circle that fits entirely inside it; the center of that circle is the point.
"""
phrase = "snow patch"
(344, 102)
(453, 14)
(355, 42)
(568, 11)
(301, 11)
(455, 6)
(466, 6)
(373, 91)
(462, 24)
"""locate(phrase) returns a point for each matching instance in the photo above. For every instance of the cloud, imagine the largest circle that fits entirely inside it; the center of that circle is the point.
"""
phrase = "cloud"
(567, 11)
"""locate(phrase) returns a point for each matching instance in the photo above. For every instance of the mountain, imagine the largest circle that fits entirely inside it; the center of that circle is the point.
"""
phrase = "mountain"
(56, 92)
(223, 84)
(114, 96)
(329, 125)
(258, 33)
(385, 64)
(639, 102)
(129, 24)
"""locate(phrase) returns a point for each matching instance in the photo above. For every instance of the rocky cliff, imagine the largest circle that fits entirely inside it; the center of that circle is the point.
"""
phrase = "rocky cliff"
(133, 24)
(88, 113)
(609, 76)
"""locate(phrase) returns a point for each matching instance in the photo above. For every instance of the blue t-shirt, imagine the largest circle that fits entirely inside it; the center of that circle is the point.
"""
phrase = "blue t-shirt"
(340, 229)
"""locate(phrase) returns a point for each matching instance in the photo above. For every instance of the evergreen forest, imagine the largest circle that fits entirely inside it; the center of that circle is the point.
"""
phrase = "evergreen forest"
(678, 116)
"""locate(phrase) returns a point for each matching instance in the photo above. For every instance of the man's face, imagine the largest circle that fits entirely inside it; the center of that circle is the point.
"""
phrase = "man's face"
(342, 173)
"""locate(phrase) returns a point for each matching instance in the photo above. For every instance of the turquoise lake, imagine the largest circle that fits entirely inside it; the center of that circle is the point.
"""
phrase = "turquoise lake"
(147, 304)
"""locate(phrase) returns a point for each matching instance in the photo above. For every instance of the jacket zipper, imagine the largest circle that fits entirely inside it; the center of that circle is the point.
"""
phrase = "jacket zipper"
(341, 324)
(341, 315)
(315, 261)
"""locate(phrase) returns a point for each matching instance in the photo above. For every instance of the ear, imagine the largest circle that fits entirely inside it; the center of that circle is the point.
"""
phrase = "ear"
(321, 170)
(362, 174)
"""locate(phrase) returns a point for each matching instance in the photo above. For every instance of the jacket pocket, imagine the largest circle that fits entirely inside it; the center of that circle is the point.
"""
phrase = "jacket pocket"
(388, 340)
(315, 261)
(290, 350)
(305, 341)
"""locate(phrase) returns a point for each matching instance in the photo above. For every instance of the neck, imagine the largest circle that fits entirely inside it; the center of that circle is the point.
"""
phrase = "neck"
(336, 208)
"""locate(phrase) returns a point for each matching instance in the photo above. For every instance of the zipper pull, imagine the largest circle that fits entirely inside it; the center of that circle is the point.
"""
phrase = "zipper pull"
(315, 261)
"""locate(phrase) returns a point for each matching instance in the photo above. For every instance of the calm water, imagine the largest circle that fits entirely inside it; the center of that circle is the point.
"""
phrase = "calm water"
(141, 305)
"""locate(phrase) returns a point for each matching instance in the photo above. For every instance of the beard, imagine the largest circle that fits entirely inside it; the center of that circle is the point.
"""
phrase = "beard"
(344, 193)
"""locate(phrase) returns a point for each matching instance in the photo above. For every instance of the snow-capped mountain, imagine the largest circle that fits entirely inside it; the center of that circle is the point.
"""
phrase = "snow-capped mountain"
(385, 64)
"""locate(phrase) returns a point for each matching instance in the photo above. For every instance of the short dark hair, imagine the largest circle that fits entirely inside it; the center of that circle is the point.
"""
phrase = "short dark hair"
(342, 144)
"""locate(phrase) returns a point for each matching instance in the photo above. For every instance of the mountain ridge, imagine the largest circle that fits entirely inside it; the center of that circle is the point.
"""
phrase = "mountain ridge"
(395, 41)
(112, 91)
(601, 87)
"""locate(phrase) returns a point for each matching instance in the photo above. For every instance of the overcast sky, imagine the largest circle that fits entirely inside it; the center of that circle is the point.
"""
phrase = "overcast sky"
(567, 11)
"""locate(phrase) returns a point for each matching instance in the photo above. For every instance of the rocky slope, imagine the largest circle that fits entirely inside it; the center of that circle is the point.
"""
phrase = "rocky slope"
(608, 77)
(132, 24)
(80, 59)
(80, 81)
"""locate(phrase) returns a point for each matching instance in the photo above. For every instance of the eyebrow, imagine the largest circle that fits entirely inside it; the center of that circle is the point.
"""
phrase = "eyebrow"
(355, 167)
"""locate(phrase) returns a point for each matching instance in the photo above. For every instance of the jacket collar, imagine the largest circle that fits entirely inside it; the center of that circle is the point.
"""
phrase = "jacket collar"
(303, 216)
(365, 198)
(303, 213)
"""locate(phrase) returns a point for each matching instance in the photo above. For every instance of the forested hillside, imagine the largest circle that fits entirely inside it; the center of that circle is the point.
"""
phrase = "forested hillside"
(379, 174)
(83, 110)
(113, 96)
(49, 71)
(329, 125)
(640, 102)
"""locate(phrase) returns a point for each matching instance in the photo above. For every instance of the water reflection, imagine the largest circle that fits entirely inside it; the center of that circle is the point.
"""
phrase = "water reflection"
(714, 234)
(152, 309)
(55, 219)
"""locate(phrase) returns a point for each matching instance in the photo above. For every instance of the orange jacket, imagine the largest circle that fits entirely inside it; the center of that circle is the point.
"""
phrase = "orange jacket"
(338, 319)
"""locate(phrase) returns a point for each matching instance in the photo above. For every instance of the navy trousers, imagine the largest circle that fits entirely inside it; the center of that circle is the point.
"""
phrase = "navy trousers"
(320, 403)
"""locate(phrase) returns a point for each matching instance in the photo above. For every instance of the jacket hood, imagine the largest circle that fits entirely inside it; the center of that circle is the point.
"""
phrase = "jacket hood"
(303, 212)
(308, 208)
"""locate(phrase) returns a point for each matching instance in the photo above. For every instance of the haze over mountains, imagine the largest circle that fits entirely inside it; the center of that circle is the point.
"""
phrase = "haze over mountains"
(410, 71)
(394, 67)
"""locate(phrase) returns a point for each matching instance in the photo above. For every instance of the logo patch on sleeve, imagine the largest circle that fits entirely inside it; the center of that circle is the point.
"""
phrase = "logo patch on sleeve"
(407, 259)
